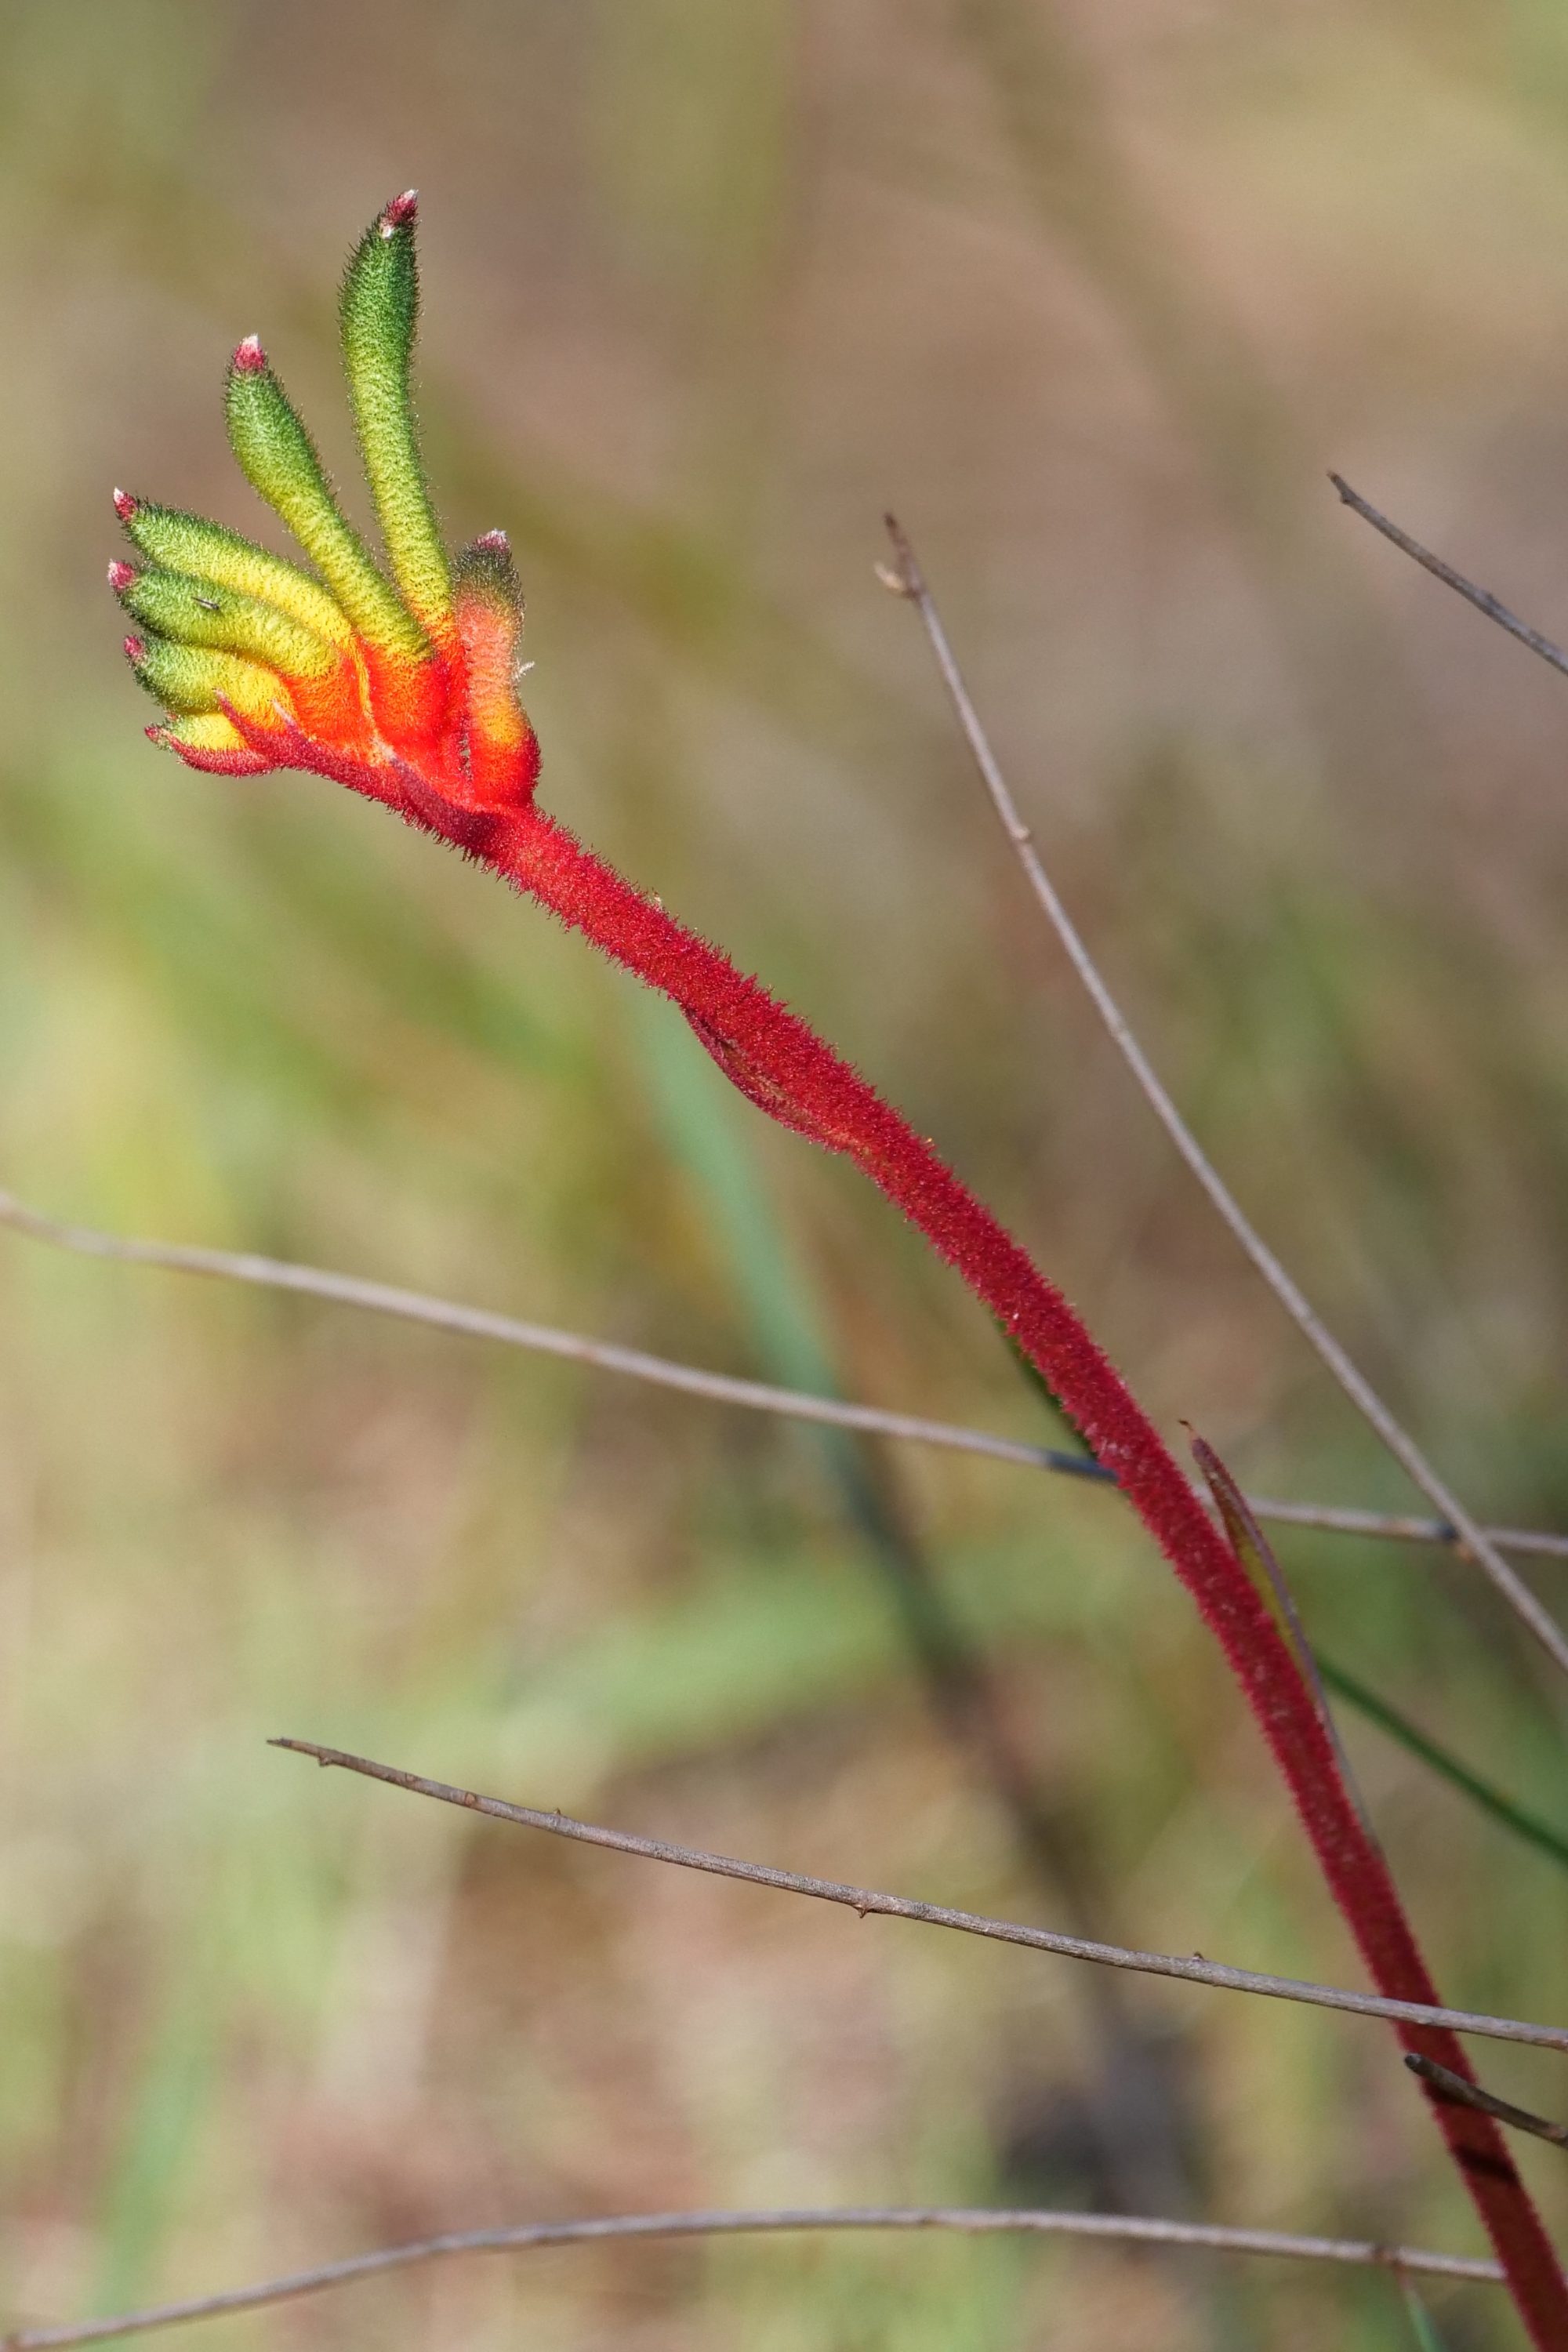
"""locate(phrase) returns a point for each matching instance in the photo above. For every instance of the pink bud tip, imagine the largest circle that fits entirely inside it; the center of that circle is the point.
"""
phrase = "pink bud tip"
(495, 540)
(120, 576)
(400, 212)
(124, 504)
(156, 734)
(135, 650)
(250, 359)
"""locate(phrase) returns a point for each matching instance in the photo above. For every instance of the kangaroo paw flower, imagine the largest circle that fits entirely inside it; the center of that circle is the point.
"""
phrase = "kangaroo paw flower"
(399, 679)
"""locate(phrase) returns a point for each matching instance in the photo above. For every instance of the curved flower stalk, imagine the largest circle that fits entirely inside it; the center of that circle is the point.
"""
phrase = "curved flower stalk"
(402, 683)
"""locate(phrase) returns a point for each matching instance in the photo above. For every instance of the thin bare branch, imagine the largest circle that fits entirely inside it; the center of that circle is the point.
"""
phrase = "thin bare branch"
(1482, 598)
(973, 2220)
(719, 1387)
(1402, 1527)
(867, 1901)
(1470, 2094)
(1469, 1537)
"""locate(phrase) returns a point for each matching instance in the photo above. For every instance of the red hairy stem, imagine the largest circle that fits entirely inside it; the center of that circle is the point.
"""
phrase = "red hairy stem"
(783, 1067)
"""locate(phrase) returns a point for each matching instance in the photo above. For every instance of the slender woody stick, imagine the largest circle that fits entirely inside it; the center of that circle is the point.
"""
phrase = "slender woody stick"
(1470, 2094)
(719, 1388)
(868, 1900)
(908, 581)
(972, 2220)
(1482, 598)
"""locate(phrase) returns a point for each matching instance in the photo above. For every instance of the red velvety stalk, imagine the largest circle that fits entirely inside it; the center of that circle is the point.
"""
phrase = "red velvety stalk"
(782, 1064)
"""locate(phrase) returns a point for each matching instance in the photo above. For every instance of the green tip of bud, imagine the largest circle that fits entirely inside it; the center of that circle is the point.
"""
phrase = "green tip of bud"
(485, 567)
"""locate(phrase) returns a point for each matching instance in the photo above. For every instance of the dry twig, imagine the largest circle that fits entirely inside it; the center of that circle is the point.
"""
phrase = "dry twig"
(719, 1387)
(1482, 598)
(1485, 2103)
(1118, 2229)
(908, 581)
(867, 1901)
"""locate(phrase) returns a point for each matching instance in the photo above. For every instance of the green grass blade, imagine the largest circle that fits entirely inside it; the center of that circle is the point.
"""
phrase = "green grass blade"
(1517, 1817)
(1421, 2325)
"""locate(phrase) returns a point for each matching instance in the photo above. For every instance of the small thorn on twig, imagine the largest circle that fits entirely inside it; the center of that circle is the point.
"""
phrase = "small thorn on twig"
(902, 577)
(1454, 2086)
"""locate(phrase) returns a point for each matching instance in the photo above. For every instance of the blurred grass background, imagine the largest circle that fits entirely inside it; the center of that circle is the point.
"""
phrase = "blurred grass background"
(1093, 293)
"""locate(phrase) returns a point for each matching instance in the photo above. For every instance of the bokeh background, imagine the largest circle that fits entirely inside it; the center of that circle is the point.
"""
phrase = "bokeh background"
(1093, 293)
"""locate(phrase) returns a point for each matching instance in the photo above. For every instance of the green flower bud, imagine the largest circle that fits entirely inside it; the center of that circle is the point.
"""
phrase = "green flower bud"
(378, 311)
(200, 613)
(191, 679)
(207, 551)
(279, 461)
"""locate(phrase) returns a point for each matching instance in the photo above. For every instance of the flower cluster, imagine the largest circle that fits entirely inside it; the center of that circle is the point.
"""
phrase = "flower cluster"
(404, 687)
